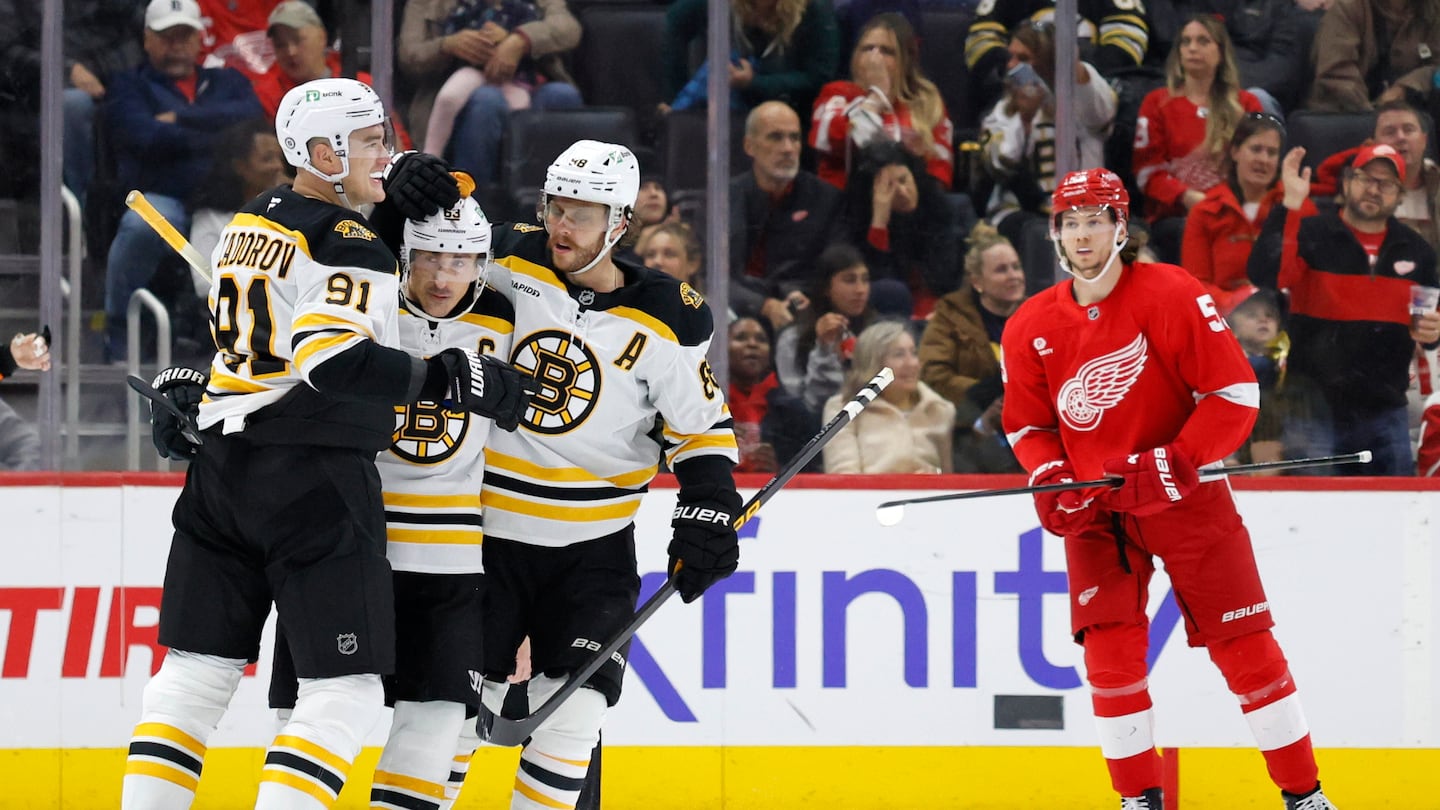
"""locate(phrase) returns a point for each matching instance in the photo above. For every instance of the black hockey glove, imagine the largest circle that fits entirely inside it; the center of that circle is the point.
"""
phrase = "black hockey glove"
(419, 184)
(183, 386)
(484, 385)
(704, 545)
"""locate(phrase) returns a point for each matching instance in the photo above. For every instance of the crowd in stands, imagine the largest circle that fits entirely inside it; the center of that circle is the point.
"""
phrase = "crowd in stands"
(879, 214)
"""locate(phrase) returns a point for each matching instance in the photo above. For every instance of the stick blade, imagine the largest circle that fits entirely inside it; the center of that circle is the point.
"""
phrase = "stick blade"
(890, 514)
(501, 731)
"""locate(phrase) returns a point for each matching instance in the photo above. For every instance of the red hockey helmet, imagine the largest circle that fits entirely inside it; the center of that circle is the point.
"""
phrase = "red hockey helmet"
(1092, 188)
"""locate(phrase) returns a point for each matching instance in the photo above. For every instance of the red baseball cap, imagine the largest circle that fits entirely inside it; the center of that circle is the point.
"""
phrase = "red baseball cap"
(1380, 151)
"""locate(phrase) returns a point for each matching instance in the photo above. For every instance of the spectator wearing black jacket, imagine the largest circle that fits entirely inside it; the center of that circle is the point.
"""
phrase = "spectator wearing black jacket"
(781, 218)
(1349, 275)
(903, 224)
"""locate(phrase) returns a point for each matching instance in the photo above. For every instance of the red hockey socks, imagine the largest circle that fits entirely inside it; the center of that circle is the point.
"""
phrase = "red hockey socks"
(1119, 693)
(1256, 671)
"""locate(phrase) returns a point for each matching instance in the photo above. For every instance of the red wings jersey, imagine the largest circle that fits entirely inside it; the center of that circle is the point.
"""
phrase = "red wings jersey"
(1152, 364)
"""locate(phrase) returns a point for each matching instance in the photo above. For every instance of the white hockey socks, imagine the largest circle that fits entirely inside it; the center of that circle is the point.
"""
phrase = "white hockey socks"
(415, 765)
(179, 711)
(460, 765)
(554, 763)
(309, 760)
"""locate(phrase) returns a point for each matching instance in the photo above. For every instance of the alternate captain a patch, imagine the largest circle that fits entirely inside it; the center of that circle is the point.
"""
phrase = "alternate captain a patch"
(569, 380)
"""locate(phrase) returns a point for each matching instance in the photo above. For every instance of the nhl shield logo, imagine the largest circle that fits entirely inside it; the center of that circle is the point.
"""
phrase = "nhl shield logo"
(347, 643)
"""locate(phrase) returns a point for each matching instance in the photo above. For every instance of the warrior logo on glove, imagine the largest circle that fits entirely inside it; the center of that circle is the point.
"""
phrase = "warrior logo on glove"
(482, 384)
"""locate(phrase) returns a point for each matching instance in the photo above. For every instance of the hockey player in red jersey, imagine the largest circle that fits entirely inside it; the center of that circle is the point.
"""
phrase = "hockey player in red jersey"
(1128, 370)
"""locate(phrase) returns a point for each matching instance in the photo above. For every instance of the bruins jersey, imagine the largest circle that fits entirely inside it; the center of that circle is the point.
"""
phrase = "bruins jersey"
(431, 474)
(1118, 28)
(299, 282)
(623, 378)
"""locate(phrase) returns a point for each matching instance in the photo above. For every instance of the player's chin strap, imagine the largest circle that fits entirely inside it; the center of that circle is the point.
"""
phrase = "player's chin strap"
(335, 180)
(610, 242)
(1110, 262)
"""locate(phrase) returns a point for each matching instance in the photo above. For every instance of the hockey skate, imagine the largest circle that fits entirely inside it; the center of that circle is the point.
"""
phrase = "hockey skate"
(1314, 800)
(1150, 800)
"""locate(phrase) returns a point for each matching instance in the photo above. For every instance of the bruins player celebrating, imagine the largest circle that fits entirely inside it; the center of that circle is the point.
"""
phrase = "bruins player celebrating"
(431, 477)
(618, 351)
(282, 501)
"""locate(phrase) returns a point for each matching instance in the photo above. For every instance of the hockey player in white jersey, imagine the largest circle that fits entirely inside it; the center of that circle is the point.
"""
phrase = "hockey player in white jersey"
(282, 501)
(618, 351)
(431, 476)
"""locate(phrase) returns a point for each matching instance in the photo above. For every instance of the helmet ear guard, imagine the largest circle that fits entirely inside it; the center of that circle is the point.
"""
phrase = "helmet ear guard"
(330, 109)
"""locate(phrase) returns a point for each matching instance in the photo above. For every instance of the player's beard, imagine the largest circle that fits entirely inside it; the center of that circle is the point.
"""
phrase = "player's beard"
(578, 256)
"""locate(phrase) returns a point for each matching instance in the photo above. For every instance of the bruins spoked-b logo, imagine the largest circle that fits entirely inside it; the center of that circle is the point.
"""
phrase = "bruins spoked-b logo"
(569, 380)
(427, 433)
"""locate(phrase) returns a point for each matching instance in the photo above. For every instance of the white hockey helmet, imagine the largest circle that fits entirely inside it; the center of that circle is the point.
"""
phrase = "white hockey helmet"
(462, 229)
(329, 109)
(605, 173)
(597, 172)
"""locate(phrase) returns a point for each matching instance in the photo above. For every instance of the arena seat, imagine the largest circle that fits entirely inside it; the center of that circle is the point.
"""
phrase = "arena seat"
(1324, 134)
(534, 138)
(618, 60)
(942, 58)
(683, 139)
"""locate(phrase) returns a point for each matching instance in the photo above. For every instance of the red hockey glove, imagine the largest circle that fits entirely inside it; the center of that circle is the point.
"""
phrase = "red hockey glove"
(1065, 512)
(1150, 481)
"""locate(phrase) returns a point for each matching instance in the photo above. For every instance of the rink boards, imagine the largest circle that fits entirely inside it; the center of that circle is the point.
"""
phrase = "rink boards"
(845, 666)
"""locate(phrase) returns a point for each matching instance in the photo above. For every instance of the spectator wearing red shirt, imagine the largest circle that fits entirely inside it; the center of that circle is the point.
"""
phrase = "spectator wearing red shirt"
(302, 54)
(771, 424)
(1221, 230)
(1184, 127)
(886, 97)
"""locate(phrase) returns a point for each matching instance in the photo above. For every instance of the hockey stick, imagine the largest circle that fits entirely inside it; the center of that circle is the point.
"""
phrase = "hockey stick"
(498, 730)
(188, 429)
(891, 513)
(162, 227)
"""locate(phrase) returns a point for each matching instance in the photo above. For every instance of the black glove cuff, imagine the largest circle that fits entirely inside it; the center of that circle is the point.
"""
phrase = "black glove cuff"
(7, 361)
(437, 378)
(707, 478)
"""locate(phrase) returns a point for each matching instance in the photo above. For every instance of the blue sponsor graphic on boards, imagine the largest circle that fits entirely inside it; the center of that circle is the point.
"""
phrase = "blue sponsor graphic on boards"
(1029, 583)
